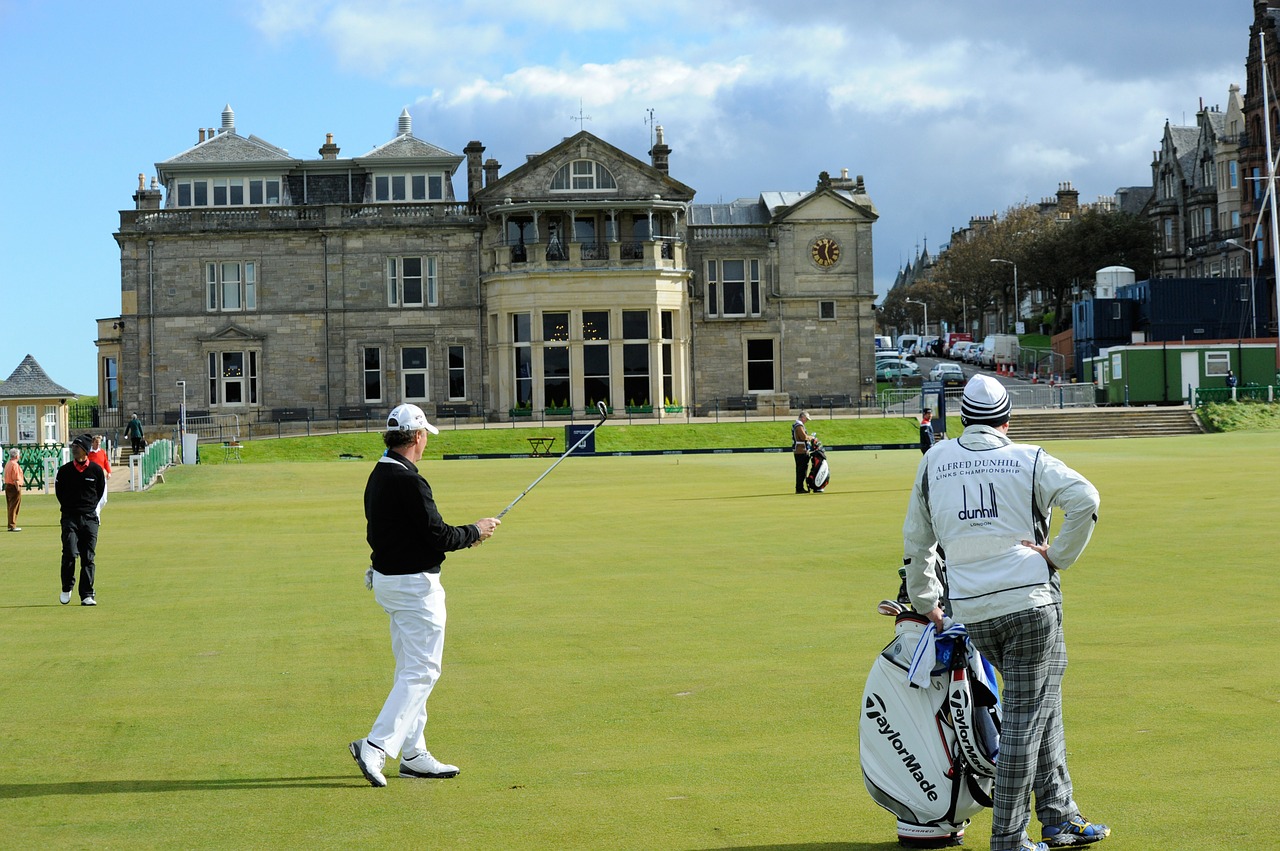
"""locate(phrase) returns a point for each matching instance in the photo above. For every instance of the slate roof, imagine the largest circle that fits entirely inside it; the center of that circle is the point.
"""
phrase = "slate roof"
(760, 211)
(30, 381)
(407, 146)
(228, 147)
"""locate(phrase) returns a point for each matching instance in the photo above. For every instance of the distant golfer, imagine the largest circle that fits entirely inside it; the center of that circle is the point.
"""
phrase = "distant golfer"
(800, 448)
(409, 541)
(985, 501)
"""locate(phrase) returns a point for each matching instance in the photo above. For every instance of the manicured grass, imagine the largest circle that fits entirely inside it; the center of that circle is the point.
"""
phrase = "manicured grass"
(659, 652)
(613, 436)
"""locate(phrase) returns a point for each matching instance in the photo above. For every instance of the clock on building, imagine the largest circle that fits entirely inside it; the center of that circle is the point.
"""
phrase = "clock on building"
(825, 251)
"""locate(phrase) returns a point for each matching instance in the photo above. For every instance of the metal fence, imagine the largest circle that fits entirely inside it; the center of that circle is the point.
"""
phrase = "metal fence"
(35, 460)
(908, 401)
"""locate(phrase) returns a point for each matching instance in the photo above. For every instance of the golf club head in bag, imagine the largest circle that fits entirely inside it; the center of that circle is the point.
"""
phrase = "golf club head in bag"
(819, 473)
(915, 748)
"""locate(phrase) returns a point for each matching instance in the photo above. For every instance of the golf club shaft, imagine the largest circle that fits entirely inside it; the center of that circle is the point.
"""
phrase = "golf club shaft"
(604, 414)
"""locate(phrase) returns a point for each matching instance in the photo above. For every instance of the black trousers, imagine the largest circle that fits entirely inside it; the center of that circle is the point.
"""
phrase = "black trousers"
(802, 468)
(79, 538)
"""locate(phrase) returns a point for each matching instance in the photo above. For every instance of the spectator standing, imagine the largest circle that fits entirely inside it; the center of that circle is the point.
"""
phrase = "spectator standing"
(985, 501)
(800, 448)
(927, 436)
(13, 488)
(79, 486)
(409, 540)
(98, 455)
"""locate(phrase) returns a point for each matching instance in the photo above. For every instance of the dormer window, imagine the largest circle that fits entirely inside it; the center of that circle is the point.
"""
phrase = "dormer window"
(227, 192)
(583, 174)
(408, 187)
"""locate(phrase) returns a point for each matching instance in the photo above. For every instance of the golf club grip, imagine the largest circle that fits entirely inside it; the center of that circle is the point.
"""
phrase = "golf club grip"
(604, 415)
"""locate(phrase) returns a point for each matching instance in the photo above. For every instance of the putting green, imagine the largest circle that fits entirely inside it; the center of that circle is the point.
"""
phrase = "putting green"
(659, 652)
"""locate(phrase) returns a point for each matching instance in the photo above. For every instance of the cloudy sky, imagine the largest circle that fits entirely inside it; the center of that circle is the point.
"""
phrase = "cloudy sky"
(947, 109)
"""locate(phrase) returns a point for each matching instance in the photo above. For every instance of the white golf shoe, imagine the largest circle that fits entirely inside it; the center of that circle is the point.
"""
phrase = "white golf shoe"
(64, 597)
(370, 758)
(425, 765)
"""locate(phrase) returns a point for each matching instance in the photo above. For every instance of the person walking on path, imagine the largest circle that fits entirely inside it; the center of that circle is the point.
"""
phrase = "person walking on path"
(800, 448)
(13, 488)
(79, 486)
(133, 431)
(409, 540)
(985, 501)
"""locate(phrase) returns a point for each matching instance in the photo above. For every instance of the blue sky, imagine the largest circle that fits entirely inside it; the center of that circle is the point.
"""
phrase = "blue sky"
(947, 109)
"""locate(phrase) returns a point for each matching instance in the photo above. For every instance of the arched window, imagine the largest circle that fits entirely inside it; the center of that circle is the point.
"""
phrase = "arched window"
(582, 174)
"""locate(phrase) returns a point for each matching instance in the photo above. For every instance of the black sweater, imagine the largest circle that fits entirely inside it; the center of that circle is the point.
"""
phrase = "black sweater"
(79, 489)
(404, 529)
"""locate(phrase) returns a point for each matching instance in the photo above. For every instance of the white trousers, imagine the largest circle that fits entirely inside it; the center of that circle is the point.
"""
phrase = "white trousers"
(415, 605)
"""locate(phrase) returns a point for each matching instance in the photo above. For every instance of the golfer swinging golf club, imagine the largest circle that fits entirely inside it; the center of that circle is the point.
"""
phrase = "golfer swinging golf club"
(409, 540)
(984, 501)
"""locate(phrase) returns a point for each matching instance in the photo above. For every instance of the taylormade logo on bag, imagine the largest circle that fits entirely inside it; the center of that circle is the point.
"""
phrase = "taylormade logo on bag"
(876, 712)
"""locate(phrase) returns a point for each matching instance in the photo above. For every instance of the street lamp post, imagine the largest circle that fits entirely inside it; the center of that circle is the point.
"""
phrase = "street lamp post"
(926, 313)
(1016, 309)
(1253, 314)
(182, 419)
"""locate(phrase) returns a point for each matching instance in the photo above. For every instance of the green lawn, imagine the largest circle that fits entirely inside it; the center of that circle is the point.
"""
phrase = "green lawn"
(662, 652)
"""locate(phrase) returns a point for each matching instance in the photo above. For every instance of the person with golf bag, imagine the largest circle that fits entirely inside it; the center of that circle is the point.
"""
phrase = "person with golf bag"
(409, 540)
(800, 448)
(985, 501)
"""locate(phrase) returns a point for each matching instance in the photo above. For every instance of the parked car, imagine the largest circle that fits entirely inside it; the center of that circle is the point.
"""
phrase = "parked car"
(959, 348)
(950, 374)
(973, 355)
(893, 370)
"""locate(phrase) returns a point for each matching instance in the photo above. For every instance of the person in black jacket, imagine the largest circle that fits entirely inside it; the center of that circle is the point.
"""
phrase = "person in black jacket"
(409, 540)
(79, 485)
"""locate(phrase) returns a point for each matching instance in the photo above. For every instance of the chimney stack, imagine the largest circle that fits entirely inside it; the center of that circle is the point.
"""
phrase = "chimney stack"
(491, 168)
(329, 151)
(146, 199)
(475, 170)
(1068, 199)
(660, 154)
(201, 135)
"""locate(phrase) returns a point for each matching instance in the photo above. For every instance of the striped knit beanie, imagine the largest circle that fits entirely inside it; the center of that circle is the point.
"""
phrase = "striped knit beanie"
(984, 402)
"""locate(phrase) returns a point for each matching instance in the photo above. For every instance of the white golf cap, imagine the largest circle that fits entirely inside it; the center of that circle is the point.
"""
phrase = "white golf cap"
(409, 418)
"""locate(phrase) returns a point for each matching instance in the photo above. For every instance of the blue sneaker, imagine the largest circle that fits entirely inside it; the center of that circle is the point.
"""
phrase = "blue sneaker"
(1078, 831)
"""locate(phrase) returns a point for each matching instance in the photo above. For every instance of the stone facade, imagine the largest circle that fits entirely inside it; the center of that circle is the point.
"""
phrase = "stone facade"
(271, 287)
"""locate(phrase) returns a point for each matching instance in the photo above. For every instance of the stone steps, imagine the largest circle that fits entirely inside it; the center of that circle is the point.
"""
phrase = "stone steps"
(1034, 426)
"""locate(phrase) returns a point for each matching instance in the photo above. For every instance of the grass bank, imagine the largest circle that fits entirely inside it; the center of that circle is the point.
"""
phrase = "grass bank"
(610, 437)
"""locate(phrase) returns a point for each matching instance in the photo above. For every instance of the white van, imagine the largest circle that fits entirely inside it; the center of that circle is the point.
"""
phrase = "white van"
(907, 343)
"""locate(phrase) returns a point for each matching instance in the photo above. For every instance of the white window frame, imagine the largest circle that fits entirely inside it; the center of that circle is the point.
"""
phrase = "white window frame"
(1217, 364)
(1117, 368)
(428, 282)
(28, 425)
(244, 287)
(718, 282)
(219, 381)
(423, 371)
(583, 176)
(49, 424)
(110, 383)
(222, 191)
(366, 371)
(4, 427)
(402, 187)
(459, 372)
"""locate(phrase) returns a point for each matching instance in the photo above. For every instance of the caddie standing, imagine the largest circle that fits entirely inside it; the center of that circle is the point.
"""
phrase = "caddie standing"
(800, 449)
(409, 540)
(985, 502)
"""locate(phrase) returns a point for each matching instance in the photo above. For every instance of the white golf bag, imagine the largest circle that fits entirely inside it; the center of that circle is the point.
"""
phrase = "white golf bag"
(929, 731)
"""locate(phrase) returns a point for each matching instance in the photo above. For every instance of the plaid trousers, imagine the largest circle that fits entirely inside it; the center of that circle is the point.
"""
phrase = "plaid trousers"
(1030, 652)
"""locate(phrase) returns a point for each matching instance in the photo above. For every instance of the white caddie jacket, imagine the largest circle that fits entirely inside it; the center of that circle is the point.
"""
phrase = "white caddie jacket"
(977, 498)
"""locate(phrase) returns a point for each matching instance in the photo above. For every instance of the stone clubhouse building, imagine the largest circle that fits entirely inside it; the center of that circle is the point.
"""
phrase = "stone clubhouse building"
(259, 284)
